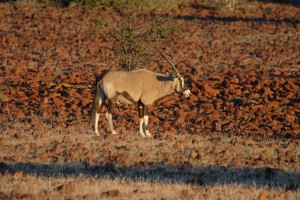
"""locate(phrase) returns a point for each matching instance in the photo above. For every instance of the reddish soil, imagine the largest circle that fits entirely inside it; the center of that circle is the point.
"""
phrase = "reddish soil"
(243, 68)
(242, 65)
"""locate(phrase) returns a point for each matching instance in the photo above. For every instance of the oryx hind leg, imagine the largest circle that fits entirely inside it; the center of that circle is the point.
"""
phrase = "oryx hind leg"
(97, 105)
(111, 106)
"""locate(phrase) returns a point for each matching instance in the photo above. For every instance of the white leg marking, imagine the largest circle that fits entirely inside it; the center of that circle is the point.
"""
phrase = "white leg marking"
(96, 123)
(141, 127)
(146, 120)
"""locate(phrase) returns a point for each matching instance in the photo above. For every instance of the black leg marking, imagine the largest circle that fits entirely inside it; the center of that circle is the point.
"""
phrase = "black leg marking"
(141, 108)
(145, 110)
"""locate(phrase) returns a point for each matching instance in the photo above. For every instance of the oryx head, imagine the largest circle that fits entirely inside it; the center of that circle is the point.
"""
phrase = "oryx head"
(181, 86)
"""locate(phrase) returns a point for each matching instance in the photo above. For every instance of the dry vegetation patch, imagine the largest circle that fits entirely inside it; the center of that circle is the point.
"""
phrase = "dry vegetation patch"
(72, 163)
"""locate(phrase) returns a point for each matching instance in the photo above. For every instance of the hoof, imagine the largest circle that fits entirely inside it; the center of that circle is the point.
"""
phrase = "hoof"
(148, 134)
(114, 133)
(142, 134)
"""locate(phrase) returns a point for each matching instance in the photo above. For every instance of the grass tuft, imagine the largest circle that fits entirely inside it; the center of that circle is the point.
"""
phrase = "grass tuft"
(3, 98)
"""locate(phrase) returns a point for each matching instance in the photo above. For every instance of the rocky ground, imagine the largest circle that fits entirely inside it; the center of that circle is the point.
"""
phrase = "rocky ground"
(239, 130)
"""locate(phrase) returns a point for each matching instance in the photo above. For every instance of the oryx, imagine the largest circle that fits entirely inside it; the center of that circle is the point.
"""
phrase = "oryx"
(138, 86)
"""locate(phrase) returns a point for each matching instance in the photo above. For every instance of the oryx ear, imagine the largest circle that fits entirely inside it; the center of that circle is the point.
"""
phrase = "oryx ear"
(168, 72)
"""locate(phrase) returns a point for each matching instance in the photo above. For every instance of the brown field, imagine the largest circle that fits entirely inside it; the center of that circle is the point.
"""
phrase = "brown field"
(236, 137)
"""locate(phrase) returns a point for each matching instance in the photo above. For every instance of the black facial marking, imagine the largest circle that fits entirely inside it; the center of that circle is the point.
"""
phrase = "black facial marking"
(165, 78)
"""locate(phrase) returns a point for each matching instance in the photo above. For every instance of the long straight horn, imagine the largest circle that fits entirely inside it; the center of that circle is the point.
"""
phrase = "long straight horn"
(173, 66)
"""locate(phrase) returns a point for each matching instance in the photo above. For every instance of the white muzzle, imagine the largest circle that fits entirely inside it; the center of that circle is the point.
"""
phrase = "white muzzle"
(187, 93)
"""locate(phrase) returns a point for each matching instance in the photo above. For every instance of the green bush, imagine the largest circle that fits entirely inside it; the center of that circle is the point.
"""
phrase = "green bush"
(135, 41)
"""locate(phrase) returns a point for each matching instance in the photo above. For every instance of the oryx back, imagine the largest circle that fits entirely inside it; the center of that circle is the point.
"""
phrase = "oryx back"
(124, 87)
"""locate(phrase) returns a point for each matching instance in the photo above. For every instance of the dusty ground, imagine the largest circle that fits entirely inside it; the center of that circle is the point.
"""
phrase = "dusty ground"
(236, 137)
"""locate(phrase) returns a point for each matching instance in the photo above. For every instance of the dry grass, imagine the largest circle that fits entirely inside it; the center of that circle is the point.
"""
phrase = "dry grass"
(168, 148)
(74, 163)
(38, 187)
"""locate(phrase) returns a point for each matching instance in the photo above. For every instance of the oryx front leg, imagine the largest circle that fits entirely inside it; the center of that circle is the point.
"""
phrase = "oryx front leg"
(141, 127)
(146, 120)
(143, 111)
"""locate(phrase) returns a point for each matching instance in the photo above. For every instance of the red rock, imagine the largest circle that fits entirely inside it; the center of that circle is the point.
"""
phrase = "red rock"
(207, 124)
(267, 91)
(273, 104)
(228, 126)
(295, 126)
(217, 126)
(254, 95)
(290, 118)
(46, 100)
(111, 193)
(85, 102)
(238, 92)
(58, 102)
(290, 85)
(209, 90)
(16, 70)
(217, 77)
(290, 95)
(2, 80)
(21, 115)
(238, 114)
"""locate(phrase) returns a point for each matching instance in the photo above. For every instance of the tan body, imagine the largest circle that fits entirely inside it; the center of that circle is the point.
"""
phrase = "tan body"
(141, 85)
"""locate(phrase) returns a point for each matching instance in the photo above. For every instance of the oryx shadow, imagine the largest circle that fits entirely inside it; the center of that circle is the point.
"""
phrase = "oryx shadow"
(158, 172)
